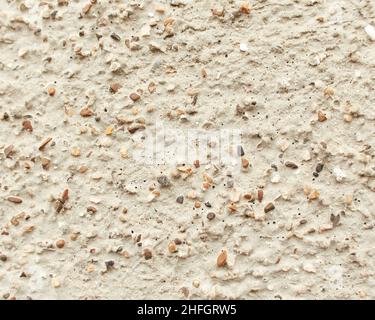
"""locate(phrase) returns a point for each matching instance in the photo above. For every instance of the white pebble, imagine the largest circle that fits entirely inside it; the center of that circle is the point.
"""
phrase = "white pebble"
(370, 30)
(243, 47)
(339, 174)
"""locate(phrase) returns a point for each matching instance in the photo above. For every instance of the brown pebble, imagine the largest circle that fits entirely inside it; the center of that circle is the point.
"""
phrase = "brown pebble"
(211, 216)
(9, 151)
(245, 163)
(15, 199)
(260, 195)
(134, 96)
(3, 257)
(147, 254)
(86, 112)
(291, 165)
(60, 243)
(196, 164)
(114, 87)
(44, 144)
(269, 207)
(51, 91)
(172, 247)
(45, 163)
(249, 196)
(115, 36)
(245, 8)
(27, 126)
(91, 210)
(177, 241)
(221, 260)
(321, 116)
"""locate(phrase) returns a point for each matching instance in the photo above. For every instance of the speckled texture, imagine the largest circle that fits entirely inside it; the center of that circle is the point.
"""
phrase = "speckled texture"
(300, 91)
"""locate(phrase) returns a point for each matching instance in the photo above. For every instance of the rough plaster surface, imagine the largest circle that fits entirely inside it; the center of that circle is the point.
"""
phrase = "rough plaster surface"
(84, 217)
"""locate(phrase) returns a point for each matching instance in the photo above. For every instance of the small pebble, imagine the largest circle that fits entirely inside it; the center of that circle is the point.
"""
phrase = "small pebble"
(51, 91)
(134, 96)
(370, 30)
(211, 216)
(221, 260)
(269, 207)
(26, 125)
(115, 36)
(147, 254)
(164, 181)
(240, 151)
(319, 167)
(109, 264)
(291, 165)
(180, 199)
(14, 199)
(60, 243)
(3, 258)
(172, 247)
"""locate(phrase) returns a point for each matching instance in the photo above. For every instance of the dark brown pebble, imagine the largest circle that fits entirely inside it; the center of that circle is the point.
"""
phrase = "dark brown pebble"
(211, 216)
(115, 36)
(208, 204)
(315, 174)
(109, 264)
(164, 181)
(269, 207)
(3, 257)
(319, 167)
(5, 116)
(180, 199)
(291, 165)
(147, 254)
(177, 241)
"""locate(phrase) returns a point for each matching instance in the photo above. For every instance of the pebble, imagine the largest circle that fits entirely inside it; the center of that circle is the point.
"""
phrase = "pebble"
(291, 165)
(339, 174)
(147, 254)
(370, 30)
(3, 258)
(122, 217)
(51, 91)
(75, 152)
(109, 264)
(164, 181)
(26, 125)
(321, 116)
(221, 260)
(243, 47)
(319, 167)
(115, 36)
(114, 87)
(211, 216)
(260, 195)
(86, 112)
(55, 283)
(44, 144)
(245, 163)
(269, 207)
(172, 247)
(180, 199)
(60, 243)
(240, 151)
(14, 199)
(134, 96)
